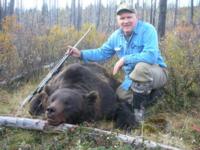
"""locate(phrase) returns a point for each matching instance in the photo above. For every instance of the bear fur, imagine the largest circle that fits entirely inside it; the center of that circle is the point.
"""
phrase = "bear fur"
(82, 92)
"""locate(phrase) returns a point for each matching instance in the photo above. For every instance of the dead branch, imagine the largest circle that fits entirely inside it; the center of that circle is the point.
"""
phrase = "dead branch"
(41, 125)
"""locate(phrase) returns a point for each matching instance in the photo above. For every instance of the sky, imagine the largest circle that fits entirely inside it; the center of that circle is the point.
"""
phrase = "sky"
(62, 3)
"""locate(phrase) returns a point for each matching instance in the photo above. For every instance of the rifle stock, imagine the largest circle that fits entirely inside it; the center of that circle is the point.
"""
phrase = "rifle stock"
(51, 74)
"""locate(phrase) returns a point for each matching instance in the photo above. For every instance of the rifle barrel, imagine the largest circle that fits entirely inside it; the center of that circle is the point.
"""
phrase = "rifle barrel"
(51, 73)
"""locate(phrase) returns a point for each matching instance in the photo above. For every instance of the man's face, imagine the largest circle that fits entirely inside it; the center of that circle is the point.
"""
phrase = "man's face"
(127, 22)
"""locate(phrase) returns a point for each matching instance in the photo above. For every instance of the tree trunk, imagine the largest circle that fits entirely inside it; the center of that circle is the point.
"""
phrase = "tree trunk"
(137, 4)
(143, 9)
(98, 12)
(151, 12)
(191, 12)
(5, 8)
(131, 2)
(50, 12)
(162, 18)
(108, 7)
(79, 16)
(21, 8)
(154, 13)
(1, 14)
(11, 7)
(73, 13)
(175, 13)
(44, 12)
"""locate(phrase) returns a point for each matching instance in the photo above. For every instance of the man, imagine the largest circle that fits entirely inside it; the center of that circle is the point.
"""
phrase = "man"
(136, 45)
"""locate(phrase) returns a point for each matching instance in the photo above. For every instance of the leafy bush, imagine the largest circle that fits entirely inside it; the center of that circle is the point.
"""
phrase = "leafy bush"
(9, 58)
(25, 49)
(182, 51)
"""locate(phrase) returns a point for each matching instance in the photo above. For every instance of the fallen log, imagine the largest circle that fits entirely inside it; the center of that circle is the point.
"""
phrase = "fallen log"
(41, 125)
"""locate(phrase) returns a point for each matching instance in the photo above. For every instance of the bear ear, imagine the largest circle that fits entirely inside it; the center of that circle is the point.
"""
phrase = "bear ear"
(38, 104)
(47, 90)
(91, 97)
(44, 99)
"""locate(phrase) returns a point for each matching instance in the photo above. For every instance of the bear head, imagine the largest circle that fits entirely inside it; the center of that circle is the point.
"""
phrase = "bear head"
(71, 106)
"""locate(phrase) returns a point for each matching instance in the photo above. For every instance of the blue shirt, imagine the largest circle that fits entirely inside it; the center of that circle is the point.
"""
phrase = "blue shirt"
(142, 46)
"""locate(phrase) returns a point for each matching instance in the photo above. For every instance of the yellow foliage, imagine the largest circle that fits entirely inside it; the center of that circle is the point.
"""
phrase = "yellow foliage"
(94, 37)
(9, 59)
(10, 24)
(55, 34)
(34, 49)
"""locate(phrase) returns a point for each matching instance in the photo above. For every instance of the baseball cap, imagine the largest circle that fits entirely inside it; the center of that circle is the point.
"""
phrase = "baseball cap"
(125, 7)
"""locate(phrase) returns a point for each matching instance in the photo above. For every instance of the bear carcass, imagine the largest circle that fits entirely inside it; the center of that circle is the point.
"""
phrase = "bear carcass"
(82, 92)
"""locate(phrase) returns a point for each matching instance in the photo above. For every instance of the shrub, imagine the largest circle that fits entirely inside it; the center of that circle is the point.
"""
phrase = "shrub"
(25, 49)
(9, 58)
(182, 51)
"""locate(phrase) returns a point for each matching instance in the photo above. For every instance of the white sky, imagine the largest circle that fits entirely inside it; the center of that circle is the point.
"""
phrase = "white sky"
(62, 3)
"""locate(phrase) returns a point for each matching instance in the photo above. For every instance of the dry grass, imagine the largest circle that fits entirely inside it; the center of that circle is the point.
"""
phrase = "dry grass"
(168, 128)
(161, 125)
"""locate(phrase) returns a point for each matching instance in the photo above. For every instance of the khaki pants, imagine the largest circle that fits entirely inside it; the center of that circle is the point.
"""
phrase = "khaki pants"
(145, 78)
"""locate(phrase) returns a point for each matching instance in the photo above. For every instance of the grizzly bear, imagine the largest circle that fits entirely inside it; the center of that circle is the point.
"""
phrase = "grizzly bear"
(82, 92)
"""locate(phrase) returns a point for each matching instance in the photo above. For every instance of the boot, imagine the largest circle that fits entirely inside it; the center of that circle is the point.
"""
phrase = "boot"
(139, 115)
(153, 97)
(142, 101)
(139, 101)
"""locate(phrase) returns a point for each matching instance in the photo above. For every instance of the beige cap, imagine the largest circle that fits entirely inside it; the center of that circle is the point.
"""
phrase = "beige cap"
(125, 7)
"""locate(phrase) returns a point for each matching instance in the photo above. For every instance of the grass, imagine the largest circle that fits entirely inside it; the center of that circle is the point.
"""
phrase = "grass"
(173, 128)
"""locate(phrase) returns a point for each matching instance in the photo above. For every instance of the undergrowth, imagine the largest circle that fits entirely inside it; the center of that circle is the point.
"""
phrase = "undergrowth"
(174, 120)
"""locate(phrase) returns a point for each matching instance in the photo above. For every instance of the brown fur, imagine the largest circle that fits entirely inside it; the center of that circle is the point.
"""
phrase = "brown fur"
(81, 92)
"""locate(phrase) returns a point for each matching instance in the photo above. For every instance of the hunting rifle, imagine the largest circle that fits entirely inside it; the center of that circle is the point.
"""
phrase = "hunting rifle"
(51, 73)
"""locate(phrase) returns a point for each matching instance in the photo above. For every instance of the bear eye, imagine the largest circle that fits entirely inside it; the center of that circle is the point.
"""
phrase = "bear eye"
(52, 100)
(66, 102)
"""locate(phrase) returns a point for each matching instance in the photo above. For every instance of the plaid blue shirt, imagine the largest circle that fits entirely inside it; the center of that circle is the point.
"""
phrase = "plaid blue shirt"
(142, 46)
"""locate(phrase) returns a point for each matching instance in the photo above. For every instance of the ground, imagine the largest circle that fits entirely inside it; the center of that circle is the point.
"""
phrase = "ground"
(173, 128)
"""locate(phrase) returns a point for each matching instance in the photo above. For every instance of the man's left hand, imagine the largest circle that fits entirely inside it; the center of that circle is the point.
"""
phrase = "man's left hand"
(118, 65)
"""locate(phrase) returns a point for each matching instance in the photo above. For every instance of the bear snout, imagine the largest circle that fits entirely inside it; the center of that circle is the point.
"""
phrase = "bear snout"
(55, 116)
(50, 111)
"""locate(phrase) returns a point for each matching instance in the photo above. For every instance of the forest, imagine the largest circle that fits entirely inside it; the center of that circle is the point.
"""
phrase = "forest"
(34, 38)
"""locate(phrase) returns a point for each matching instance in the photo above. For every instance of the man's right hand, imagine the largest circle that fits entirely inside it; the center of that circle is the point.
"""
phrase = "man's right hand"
(73, 52)
(118, 65)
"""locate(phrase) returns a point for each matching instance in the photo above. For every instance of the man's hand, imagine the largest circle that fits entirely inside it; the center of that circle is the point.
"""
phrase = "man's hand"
(118, 65)
(73, 52)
